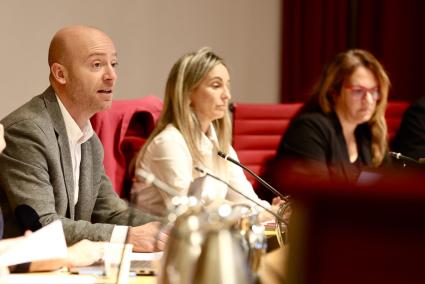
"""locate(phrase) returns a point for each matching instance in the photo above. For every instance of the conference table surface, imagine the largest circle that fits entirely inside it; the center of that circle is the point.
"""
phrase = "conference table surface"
(65, 278)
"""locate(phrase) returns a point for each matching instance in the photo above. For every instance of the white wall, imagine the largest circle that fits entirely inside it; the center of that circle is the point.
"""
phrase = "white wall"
(150, 35)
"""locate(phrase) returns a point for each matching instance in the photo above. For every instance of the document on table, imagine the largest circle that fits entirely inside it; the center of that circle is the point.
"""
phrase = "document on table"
(46, 243)
(146, 255)
(48, 278)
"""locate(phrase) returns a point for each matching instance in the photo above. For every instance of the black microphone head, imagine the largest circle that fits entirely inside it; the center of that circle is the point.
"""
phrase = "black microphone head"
(27, 217)
(402, 157)
(228, 158)
(221, 154)
(394, 154)
(202, 171)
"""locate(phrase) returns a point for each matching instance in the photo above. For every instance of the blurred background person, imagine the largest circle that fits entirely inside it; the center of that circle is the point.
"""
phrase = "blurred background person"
(410, 138)
(341, 128)
(193, 127)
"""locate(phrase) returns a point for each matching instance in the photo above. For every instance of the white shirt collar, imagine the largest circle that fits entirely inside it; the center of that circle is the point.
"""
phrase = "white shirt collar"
(211, 134)
(75, 134)
(209, 140)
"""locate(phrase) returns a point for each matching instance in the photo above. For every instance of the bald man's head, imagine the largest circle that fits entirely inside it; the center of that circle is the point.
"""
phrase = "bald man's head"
(70, 44)
(83, 64)
(67, 41)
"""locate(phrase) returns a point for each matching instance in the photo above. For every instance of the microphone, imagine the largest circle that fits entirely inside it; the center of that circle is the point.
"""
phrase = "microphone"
(27, 217)
(259, 179)
(240, 193)
(150, 179)
(403, 158)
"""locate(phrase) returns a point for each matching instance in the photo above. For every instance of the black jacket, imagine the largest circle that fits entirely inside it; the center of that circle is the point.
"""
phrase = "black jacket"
(314, 147)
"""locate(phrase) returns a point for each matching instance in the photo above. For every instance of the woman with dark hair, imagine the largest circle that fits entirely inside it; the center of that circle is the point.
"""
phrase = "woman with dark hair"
(342, 127)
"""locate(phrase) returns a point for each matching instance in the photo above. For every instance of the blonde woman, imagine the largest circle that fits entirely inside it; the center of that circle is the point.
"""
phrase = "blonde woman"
(193, 127)
(342, 128)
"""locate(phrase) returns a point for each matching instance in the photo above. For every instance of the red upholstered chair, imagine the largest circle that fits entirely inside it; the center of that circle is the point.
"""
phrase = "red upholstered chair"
(123, 129)
(393, 115)
(257, 130)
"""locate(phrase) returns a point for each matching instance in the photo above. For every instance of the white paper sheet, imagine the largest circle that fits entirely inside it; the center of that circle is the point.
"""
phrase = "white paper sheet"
(146, 255)
(46, 243)
(48, 279)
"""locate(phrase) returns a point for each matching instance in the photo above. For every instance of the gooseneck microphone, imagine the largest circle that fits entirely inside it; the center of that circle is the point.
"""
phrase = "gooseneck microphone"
(259, 179)
(240, 193)
(403, 158)
(149, 178)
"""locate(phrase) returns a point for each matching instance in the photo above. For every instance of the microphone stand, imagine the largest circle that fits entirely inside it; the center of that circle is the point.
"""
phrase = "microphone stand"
(259, 179)
(240, 193)
(149, 178)
(403, 158)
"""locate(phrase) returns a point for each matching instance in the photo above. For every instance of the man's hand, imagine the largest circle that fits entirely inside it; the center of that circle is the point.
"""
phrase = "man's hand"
(277, 203)
(148, 237)
(84, 253)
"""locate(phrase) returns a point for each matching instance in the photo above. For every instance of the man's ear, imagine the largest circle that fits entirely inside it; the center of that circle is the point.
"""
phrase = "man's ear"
(59, 73)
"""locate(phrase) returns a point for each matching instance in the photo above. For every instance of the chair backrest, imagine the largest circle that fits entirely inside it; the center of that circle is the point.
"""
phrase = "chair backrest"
(123, 129)
(258, 129)
(393, 115)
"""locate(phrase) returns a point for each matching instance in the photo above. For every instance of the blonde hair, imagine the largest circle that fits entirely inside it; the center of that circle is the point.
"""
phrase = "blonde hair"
(184, 77)
(332, 79)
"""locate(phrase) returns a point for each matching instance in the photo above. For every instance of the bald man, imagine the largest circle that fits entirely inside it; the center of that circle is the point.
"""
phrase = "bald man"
(52, 168)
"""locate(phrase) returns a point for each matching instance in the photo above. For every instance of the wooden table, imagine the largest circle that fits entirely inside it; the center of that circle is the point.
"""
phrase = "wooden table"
(65, 278)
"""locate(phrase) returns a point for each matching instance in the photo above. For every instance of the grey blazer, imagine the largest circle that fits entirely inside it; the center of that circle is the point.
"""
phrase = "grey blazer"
(36, 172)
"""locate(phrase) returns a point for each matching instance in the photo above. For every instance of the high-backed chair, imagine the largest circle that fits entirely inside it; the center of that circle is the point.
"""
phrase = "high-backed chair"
(123, 129)
(258, 129)
(393, 115)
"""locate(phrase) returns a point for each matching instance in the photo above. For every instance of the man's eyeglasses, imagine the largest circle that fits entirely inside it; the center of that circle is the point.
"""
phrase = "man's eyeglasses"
(359, 92)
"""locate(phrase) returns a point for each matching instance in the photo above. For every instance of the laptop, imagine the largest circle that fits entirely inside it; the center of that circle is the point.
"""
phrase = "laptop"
(141, 264)
(145, 263)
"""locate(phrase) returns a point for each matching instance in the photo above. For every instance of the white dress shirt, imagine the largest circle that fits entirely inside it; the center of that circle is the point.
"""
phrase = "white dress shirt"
(169, 160)
(76, 137)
